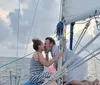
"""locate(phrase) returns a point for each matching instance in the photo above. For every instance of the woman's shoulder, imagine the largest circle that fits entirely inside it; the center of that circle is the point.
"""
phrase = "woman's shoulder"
(35, 56)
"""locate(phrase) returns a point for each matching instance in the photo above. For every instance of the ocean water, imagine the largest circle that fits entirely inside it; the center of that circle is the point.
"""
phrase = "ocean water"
(8, 73)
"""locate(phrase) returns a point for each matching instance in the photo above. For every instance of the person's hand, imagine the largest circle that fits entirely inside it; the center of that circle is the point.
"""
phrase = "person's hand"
(60, 54)
(55, 66)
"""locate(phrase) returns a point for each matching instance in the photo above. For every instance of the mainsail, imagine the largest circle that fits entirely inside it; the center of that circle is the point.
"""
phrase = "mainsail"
(76, 10)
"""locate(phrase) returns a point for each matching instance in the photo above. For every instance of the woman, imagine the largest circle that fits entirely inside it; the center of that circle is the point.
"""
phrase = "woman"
(38, 62)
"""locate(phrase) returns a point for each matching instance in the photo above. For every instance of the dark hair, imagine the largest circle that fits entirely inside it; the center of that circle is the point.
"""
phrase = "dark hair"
(50, 39)
(36, 43)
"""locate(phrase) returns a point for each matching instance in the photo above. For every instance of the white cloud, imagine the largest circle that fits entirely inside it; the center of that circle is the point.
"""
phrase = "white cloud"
(3, 16)
(44, 23)
(46, 18)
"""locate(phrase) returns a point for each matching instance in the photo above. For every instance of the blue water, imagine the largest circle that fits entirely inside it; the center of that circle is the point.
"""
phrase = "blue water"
(23, 71)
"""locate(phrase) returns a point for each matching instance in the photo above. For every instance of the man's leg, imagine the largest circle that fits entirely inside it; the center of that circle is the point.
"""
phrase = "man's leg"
(95, 82)
(75, 82)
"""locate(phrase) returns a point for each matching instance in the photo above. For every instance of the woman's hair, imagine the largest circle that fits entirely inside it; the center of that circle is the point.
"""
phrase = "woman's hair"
(36, 43)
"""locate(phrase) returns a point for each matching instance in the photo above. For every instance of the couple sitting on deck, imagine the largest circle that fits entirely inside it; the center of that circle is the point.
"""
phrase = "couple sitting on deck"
(77, 76)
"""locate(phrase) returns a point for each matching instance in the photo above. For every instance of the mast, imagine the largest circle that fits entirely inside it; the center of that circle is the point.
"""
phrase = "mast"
(61, 32)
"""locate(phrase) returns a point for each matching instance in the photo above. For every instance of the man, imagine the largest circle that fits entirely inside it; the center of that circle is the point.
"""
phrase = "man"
(77, 76)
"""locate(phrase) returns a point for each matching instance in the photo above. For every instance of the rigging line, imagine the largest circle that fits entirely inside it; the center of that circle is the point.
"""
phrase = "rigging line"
(62, 38)
(85, 21)
(89, 55)
(61, 72)
(81, 35)
(18, 28)
(71, 58)
(15, 60)
(92, 53)
(18, 36)
(18, 80)
(97, 58)
(82, 22)
(98, 17)
(88, 43)
(82, 46)
(68, 70)
(94, 57)
(95, 67)
(31, 26)
(80, 38)
(87, 50)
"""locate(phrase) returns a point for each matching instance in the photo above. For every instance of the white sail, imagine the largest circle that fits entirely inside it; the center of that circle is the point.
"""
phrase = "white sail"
(76, 10)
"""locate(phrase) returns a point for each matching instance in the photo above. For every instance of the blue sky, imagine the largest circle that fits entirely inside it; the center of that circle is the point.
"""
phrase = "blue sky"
(43, 25)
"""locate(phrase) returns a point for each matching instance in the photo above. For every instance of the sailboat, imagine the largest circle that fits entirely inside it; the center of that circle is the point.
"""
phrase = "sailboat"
(71, 12)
